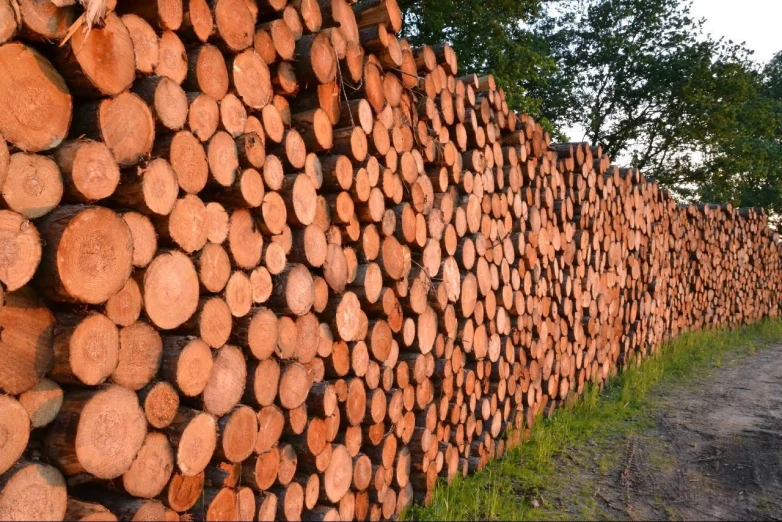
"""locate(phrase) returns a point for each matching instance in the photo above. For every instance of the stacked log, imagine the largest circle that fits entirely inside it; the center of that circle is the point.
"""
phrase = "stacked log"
(262, 259)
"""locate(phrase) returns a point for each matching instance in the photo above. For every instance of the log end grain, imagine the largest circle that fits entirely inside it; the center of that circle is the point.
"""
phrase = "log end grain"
(170, 278)
(33, 491)
(108, 412)
(35, 104)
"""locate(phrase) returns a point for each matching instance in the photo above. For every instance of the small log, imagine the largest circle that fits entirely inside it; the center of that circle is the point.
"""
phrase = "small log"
(234, 22)
(238, 432)
(173, 58)
(124, 307)
(161, 403)
(146, 44)
(42, 402)
(144, 238)
(20, 237)
(207, 72)
(140, 353)
(194, 435)
(14, 422)
(187, 363)
(78, 510)
(166, 99)
(166, 15)
(89, 170)
(252, 79)
(170, 277)
(86, 349)
(34, 185)
(125, 124)
(227, 381)
(150, 472)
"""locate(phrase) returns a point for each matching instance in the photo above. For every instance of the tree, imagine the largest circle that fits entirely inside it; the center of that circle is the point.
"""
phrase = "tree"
(490, 37)
(637, 76)
(744, 166)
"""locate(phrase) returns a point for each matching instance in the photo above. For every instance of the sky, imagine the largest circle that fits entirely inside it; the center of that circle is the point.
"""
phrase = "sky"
(755, 22)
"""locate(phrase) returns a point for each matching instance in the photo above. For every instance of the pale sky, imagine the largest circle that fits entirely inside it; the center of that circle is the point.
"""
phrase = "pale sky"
(755, 22)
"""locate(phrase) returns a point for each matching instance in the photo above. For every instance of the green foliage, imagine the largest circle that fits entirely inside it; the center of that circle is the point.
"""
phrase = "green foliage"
(744, 166)
(490, 37)
(505, 489)
(638, 76)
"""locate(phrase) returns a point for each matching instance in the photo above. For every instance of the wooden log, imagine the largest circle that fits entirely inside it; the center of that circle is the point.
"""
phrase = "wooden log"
(146, 44)
(295, 383)
(183, 492)
(10, 20)
(238, 432)
(234, 23)
(166, 15)
(124, 123)
(46, 20)
(79, 510)
(173, 58)
(88, 254)
(170, 277)
(99, 62)
(194, 435)
(167, 100)
(89, 170)
(252, 79)
(42, 402)
(39, 125)
(34, 185)
(32, 490)
(197, 20)
(185, 226)
(83, 436)
(19, 237)
(86, 349)
(140, 352)
(203, 116)
(226, 382)
(16, 423)
(152, 468)
(161, 402)
(317, 62)
(144, 238)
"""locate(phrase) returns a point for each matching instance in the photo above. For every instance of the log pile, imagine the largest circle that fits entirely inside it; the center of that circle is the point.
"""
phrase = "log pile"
(262, 259)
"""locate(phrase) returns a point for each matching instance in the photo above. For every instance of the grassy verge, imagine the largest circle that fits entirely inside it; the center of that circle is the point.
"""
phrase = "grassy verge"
(507, 489)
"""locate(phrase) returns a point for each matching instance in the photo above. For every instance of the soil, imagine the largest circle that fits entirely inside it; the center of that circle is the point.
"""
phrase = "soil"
(713, 451)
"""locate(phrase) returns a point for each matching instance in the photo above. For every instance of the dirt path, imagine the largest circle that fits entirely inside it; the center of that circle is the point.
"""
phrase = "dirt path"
(714, 452)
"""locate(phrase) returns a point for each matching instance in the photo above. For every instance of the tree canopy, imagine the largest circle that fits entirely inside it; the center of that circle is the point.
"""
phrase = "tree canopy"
(638, 76)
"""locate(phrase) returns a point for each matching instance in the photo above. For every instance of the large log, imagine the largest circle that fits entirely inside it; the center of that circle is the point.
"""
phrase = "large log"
(83, 436)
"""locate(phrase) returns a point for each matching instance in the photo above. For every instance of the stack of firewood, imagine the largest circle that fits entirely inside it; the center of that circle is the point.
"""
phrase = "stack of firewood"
(262, 259)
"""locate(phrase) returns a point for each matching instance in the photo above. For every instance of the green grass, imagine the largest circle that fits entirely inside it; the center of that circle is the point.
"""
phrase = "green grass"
(506, 489)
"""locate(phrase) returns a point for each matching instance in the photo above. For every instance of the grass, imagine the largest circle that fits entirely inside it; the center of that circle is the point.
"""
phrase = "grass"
(508, 488)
